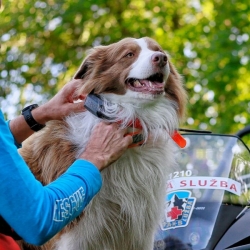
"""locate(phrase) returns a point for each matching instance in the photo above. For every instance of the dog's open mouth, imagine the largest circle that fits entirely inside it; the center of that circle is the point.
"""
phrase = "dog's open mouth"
(153, 84)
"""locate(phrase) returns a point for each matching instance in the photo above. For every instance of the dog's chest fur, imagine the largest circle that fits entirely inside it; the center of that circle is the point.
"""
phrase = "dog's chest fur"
(126, 211)
(130, 201)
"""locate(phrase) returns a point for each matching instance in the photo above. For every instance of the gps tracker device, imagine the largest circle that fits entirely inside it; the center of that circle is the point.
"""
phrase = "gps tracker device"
(95, 105)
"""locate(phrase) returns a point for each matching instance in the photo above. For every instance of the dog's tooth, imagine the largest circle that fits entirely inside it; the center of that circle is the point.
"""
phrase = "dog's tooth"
(150, 84)
(137, 83)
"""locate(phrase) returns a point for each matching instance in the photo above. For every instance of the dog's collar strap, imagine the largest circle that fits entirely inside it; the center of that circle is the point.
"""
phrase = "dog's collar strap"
(135, 124)
(94, 104)
(176, 136)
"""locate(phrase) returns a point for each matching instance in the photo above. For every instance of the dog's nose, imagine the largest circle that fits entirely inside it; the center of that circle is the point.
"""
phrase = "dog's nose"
(159, 59)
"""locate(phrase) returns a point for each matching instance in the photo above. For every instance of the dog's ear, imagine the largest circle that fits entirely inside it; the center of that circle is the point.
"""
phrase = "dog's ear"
(82, 70)
(97, 74)
(174, 90)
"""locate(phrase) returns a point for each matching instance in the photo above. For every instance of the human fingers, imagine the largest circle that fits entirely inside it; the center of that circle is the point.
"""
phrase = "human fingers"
(71, 90)
(128, 139)
(117, 143)
(62, 104)
(107, 143)
(79, 97)
(76, 107)
(123, 132)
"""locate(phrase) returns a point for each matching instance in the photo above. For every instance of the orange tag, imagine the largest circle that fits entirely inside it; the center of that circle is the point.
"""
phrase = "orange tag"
(179, 139)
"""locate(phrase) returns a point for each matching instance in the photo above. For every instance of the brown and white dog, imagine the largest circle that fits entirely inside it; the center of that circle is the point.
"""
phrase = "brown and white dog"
(136, 76)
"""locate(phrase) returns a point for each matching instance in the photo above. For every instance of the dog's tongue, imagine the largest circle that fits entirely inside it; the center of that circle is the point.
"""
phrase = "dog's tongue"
(155, 86)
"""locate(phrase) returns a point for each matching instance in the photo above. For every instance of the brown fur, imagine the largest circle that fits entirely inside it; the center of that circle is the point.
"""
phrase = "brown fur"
(49, 154)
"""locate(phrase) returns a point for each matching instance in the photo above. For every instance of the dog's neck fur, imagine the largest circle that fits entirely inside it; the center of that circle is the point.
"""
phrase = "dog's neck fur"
(157, 117)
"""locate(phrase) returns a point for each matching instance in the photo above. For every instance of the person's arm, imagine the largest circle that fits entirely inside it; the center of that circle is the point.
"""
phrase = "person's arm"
(43, 210)
(46, 210)
(35, 212)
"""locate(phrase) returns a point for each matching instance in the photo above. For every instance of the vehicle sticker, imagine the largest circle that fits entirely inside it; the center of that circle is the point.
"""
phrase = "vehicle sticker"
(204, 182)
(179, 206)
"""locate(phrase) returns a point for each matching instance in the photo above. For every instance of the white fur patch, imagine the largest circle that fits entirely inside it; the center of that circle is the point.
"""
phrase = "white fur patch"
(142, 68)
(155, 116)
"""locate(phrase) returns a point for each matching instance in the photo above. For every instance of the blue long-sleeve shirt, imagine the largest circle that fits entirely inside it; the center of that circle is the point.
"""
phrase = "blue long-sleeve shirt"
(38, 212)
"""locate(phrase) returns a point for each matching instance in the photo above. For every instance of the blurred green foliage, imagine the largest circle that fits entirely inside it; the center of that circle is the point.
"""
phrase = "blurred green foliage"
(44, 42)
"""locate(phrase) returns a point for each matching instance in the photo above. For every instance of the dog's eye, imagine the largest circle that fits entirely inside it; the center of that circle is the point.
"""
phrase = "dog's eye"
(130, 54)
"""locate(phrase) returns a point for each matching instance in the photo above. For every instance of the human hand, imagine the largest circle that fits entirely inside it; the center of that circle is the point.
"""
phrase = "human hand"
(62, 104)
(107, 143)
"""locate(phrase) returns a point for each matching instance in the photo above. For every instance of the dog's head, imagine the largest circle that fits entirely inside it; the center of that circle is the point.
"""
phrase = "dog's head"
(139, 69)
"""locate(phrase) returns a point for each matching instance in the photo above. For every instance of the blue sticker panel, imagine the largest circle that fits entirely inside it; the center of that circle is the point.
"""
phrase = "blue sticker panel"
(179, 206)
